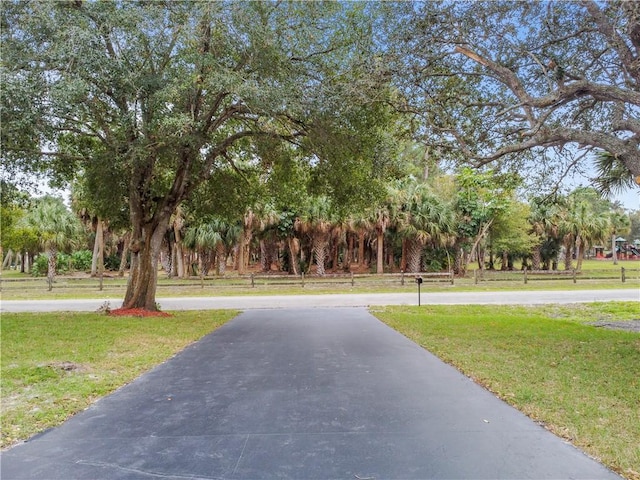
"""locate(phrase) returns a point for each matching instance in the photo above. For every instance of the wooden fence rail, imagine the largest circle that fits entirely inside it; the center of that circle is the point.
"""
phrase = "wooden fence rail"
(255, 280)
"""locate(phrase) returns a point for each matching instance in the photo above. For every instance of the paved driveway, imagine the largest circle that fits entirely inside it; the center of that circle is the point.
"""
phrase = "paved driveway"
(300, 394)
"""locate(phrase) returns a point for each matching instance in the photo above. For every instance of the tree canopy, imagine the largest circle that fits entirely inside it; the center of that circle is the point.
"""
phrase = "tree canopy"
(227, 107)
(153, 98)
(505, 80)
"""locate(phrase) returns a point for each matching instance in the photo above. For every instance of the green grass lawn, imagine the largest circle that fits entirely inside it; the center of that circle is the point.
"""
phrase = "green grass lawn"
(582, 382)
(56, 364)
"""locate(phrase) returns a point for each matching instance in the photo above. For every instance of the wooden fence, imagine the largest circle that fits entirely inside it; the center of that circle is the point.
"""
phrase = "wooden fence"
(350, 280)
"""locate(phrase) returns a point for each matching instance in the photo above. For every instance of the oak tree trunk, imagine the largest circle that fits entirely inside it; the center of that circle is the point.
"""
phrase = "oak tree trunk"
(143, 277)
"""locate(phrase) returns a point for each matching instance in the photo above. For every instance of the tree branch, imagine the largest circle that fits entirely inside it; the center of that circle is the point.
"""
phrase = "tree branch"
(630, 62)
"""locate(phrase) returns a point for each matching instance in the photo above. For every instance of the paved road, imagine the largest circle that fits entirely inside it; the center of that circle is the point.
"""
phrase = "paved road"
(300, 394)
(343, 300)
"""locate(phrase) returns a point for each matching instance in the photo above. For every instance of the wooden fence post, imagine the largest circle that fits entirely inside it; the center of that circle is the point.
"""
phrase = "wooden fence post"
(623, 274)
(252, 282)
(525, 275)
(302, 275)
(352, 281)
(574, 275)
(402, 277)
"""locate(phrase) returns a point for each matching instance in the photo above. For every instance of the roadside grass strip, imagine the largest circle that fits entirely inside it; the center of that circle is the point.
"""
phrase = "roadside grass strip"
(554, 363)
(56, 364)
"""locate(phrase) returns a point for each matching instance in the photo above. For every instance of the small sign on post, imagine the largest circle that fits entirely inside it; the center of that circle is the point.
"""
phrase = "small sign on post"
(419, 282)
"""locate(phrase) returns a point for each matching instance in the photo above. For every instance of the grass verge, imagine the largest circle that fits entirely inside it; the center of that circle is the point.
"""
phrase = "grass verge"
(579, 381)
(56, 364)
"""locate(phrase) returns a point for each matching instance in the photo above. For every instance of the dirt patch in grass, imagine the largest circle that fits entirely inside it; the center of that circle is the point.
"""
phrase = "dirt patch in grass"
(629, 325)
(137, 312)
(68, 366)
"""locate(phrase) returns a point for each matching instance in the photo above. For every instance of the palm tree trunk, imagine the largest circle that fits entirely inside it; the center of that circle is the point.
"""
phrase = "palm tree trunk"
(403, 256)
(97, 261)
(348, 254)
(7, 259)
(243, 251)
(336, 255)
(294, 249)
(380, 251)
(320, 246)
(264, 257)
(505, 261)
(460, 262)
(221, 256)
(361, 234)
(125, 252)
(51, 263)
(536, 258)
(180, 270)
(414, 252)
(568, 256)
(579, 253)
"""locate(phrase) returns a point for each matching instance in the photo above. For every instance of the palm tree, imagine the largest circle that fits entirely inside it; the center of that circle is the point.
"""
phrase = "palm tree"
(589, 228)
(317, 223)
(380, 220)
(56, 227)
(267, 220)
(202, 237)
(424, 219)
(620, 224)
(544, 221)
(611, 175)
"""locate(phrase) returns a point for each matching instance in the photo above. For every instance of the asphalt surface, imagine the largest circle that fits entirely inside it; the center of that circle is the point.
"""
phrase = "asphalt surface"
(530, 297)
(300, 394)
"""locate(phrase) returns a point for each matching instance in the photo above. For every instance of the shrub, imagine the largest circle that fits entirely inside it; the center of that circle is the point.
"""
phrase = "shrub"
(81, 260)
(112, 262)
(40, 265)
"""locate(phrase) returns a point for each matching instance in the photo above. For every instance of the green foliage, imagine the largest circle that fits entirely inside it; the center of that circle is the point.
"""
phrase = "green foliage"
(481, 197)
(509, 84)
(64, 264)
(511, 230)
(81, 260)
(112, 262)
(53, 223)
(612, 175)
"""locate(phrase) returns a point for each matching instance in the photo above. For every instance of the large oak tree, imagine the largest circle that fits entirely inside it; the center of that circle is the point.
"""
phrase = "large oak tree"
(159, 95)
(501, 81)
